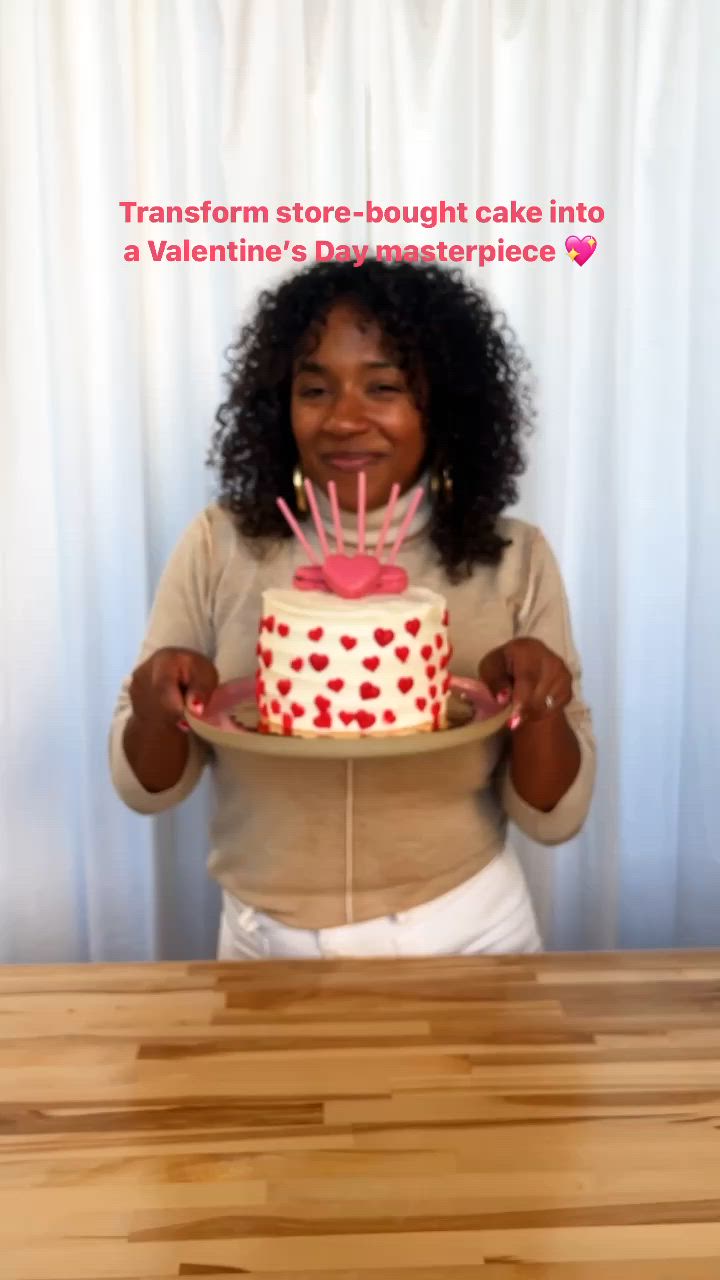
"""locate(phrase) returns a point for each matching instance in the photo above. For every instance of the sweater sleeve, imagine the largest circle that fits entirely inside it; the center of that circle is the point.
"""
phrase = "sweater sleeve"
(181, 618)
(545, 615)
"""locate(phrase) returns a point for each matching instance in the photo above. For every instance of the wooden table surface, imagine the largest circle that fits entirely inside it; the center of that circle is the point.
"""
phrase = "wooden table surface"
(545, 1118)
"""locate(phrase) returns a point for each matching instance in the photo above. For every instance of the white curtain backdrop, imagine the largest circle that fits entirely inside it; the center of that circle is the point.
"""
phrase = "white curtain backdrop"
(110, 374)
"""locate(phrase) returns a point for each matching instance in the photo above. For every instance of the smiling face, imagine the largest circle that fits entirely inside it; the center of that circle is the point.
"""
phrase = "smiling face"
(352, 410)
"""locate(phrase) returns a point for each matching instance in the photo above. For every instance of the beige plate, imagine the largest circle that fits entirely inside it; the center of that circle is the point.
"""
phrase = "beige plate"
(230, 720)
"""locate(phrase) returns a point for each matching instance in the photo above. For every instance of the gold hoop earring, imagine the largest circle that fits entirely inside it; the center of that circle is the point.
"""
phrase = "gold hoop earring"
(300, 496)
(442, 481)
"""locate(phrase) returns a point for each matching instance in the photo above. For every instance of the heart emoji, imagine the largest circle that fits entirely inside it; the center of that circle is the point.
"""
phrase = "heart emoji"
(384, 637)
(368, 690)
(580, 250)
(365, 719)
(351, 576)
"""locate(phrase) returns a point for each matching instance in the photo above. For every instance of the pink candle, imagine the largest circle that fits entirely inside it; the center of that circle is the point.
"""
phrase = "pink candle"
(336, 518)
(317, 518)
(297, 530)
(406, 524)
(362, 503)
(394, 494)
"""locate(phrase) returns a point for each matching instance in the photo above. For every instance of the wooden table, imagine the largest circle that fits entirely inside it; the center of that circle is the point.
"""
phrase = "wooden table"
(554, 1118)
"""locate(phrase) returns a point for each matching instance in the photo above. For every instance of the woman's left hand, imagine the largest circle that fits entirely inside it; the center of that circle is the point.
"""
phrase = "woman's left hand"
(527, 674)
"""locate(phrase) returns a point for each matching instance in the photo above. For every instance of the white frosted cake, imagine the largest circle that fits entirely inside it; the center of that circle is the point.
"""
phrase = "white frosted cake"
(340, 668)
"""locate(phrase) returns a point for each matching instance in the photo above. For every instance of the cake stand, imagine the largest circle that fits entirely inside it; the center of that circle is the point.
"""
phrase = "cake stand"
(231, 716)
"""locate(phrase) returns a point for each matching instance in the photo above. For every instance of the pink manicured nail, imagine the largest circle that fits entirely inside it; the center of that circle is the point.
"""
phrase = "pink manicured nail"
(197, 706)
(516, 720)
(503, 697)
(183, 724)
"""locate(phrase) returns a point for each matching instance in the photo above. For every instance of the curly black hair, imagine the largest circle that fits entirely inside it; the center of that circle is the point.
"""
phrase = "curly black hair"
(477, 411)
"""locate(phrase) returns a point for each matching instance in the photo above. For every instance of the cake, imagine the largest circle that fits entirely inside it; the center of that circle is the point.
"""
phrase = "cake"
(338, 667)
(352, 648)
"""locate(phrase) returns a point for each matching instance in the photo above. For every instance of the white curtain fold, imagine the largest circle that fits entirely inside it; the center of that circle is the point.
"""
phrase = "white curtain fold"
(110, 374)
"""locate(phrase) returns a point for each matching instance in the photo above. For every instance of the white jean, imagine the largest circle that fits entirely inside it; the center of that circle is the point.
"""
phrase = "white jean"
(489, 914)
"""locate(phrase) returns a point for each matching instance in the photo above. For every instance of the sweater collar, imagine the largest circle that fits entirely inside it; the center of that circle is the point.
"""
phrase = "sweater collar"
(374, 519)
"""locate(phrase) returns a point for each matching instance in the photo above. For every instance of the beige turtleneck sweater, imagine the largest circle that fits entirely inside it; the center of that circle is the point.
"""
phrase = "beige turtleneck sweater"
(420, 825)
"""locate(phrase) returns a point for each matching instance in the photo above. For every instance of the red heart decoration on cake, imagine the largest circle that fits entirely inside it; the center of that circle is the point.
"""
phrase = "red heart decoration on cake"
(258, 648)
(275, 707)
(323, 721)
(446, 618)
(426, 652)
(389, 717)
(287, 725)
(267, 656)
(421, 703)
(372, 664)
(405, 684)
(284, 687)
(316, 633)
(433, 691)
(259, 686)
(283, 630)
(351, 576)
(384, 637)
(297, 710)
(438, 642)
(446, 684)
(444, 660)
(435, 708)
(430, 671)
(347, 717)
(348, 642)
(269, 623)
(297, 664)
(413, 626)
(322, 703)
(368, 690)
(403, 653)
(318, 661)
(365, 719)
(336, 685)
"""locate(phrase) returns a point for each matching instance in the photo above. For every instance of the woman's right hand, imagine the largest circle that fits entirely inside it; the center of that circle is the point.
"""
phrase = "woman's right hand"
(162, 685)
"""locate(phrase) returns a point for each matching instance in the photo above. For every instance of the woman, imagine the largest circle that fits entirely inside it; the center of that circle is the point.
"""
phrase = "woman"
(403, 372)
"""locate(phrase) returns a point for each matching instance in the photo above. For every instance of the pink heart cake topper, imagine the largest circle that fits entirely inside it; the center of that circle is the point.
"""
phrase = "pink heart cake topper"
(580, 250)
(351, 577)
